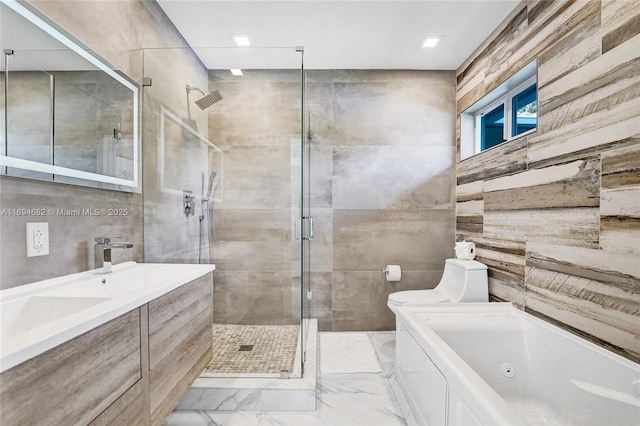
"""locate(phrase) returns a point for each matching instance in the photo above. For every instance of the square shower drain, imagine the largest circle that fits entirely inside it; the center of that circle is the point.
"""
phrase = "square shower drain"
(245, 348)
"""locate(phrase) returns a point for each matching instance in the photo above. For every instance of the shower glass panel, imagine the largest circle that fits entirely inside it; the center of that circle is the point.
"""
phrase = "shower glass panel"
(306, 214)
(232, 147)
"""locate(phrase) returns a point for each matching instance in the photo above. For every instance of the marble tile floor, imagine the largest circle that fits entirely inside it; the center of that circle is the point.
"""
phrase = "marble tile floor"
(343, 399)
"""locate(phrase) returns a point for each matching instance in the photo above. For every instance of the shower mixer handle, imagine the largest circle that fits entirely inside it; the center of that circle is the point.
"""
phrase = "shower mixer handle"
(187, 202)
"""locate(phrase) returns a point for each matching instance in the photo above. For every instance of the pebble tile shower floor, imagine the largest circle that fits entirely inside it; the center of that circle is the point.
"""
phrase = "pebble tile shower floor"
(253, 348)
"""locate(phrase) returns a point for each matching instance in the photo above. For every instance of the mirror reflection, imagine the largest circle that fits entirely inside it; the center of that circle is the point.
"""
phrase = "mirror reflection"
(67, 115)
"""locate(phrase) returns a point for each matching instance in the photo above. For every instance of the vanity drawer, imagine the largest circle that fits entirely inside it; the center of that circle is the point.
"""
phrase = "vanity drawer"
(180, 339)
(74, 382)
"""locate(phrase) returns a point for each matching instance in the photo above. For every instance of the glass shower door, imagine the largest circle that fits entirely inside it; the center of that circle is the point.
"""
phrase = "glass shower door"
(253, 140)
(307, 220)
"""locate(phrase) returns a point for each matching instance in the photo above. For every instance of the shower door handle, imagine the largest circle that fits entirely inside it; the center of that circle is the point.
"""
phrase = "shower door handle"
(310, 237)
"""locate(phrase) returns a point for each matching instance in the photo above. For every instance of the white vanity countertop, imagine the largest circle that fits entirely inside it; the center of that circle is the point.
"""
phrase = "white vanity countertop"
(40, 316)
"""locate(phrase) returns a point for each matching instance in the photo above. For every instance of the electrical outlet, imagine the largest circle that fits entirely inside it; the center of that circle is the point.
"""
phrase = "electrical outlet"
(37, 239)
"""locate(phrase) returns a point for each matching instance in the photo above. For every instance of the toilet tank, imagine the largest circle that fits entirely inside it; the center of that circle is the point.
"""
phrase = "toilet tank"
(464, 281)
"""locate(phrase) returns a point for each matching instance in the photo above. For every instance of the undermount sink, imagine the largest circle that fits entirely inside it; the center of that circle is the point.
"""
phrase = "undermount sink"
(25, 314)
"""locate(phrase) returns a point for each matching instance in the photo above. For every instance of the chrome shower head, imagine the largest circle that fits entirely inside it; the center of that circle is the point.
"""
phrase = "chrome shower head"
(207, 100)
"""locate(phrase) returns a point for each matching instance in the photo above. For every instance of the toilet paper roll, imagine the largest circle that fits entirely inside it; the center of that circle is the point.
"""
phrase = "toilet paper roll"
(392, 273)
(465, 250)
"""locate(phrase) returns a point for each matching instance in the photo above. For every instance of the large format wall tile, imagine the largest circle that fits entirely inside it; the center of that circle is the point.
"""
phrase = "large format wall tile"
(382, 172)
(255, 297)
(320, 304)
(257, 177)
(322, 246)
(257, 126)
(506, 261)
(71, 237)
(501, 160)
(555, 215)
(359, 298)
(367, 240)
(359, 301)
(392, 177)
(594, 291)
(108, 35)
(620, 22)
(252, 240)
(396, 112)
(620, 200)
(174, 158)
(255, 113)
(571, 227)
(575, 184)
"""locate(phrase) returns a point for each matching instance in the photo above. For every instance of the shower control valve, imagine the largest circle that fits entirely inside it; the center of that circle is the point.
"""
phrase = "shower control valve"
(187, 202)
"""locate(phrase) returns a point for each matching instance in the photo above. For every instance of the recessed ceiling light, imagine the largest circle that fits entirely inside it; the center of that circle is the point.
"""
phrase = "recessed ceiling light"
(236, 72)
(242, 40)
(430, 41)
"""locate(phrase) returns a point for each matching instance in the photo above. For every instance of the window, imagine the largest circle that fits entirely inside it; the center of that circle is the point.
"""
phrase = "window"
(507, 112)
(492, 128)
(525, 108)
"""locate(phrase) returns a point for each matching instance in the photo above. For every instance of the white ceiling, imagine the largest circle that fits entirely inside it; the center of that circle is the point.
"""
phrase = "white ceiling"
(356, 34)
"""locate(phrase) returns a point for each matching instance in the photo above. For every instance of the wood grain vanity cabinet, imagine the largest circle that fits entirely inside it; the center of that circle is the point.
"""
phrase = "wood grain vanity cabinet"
(74, 382)
(179, 343)
(132, 370)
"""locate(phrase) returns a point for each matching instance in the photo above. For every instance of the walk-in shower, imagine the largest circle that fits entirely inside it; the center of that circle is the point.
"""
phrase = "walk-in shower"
(246, 156)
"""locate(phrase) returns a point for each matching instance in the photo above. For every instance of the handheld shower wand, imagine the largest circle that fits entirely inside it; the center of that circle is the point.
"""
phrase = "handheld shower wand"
(204, 217)
(212, 176)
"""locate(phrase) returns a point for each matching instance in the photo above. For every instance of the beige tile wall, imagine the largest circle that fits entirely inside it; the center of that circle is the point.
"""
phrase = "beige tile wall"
(169, 234)
(382, 173)
(556, 214)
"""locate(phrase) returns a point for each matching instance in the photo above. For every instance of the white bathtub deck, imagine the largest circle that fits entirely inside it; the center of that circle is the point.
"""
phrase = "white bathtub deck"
(536, 412)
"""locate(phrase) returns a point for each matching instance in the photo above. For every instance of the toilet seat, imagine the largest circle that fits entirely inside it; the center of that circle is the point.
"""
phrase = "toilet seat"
(417, 296)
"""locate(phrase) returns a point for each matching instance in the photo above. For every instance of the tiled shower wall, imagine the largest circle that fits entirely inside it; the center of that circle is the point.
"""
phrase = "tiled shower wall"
(257, 126)
(382, 173)
(556, 214)
(174, 158)
(117, 30)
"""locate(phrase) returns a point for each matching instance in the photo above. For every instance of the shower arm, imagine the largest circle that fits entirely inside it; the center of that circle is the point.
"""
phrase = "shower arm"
(190, 88)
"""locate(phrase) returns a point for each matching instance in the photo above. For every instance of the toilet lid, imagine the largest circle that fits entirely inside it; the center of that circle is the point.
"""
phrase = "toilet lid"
(417, 296)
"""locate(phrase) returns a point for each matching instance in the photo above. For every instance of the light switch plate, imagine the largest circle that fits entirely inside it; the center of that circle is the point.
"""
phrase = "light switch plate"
(37, 239)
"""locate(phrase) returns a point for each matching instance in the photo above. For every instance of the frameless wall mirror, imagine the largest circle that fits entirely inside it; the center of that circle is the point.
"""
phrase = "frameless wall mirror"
(67, 115)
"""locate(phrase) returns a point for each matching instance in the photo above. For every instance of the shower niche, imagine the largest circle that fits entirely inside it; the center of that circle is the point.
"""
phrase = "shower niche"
(67, 115)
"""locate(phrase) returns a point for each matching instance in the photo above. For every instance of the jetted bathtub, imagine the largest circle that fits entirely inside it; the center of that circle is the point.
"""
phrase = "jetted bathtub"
(492, 364)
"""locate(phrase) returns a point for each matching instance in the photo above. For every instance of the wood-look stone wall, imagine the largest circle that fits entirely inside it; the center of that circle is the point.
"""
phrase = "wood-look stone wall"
(556, 214)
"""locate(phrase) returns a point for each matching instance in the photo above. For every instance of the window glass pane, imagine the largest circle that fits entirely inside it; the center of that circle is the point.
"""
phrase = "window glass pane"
(492, 128)
(525, 109)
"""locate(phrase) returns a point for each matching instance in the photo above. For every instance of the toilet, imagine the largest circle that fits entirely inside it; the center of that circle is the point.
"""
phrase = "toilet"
(462, 281)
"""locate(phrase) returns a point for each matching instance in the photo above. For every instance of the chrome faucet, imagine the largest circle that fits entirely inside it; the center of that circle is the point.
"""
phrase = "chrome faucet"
(102, 253)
